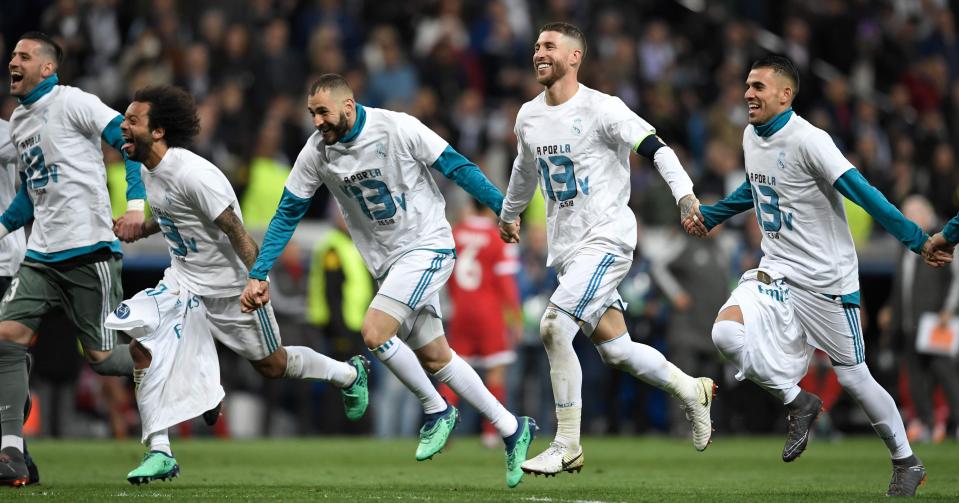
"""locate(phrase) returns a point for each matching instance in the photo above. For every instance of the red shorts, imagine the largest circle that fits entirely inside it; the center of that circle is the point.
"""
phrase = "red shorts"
(482, 344)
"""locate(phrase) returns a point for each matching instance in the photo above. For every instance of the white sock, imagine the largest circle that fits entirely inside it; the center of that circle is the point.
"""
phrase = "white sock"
(878, 405)
(729, 337)
(160, 441)
(402, 362)
(304, 363)
(465, 382)
(646, 364)
(14, 441)
(557, 330)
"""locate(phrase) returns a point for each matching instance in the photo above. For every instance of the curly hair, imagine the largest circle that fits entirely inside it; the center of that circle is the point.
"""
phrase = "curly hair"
(173, 110)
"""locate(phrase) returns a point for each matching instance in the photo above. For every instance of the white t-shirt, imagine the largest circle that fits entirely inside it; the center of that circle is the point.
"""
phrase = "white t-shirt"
(382, 183)
(583, 145)
(13, 245)
(58, 142)
(187, 193)
(805, 233)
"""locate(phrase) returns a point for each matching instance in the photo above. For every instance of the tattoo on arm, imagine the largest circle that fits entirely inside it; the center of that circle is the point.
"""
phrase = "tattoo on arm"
(150, 227)
(686, 206)
(242, 243)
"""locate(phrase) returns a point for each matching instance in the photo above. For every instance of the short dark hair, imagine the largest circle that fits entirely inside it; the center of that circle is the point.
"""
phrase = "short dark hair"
(172, 109)
(330, 81)
(781, 65)
(46, 41)
(568, 30)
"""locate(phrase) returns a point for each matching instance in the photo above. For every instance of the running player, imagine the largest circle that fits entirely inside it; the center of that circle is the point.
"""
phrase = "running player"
(376, 164)
(196, 210)
(806, 289)
(577, 141)
(73, 257)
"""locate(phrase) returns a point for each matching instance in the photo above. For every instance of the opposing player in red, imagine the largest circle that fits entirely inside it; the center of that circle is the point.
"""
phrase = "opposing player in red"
(486, 320)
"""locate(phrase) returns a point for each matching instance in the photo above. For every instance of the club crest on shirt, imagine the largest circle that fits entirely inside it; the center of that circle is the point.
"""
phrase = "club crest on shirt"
(380, 150)
(577, 126)
(781, 160)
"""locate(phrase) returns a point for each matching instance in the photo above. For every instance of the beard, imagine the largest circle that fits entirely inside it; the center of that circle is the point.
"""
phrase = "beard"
(141, 149)
(338, 130)
(557, 72)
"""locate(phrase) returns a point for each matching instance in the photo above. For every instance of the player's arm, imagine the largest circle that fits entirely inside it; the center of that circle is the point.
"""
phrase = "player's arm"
(242, 242)
(129, 225)
(468, 175)
(20, 211)
(734, 203)
(522, 185)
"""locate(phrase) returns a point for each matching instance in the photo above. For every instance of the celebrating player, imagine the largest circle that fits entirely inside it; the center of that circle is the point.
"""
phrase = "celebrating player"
(73, 257)
(578, 140)
(806, 289)
(376, 163)
(196, 210)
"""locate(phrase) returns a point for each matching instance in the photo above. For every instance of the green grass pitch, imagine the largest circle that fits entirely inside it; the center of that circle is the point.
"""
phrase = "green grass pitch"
(365, 469)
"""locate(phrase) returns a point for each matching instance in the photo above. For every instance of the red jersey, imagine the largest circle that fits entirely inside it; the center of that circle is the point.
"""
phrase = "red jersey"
(483, 285)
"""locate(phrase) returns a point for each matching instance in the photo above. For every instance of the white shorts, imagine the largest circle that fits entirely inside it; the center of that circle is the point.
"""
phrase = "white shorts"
(587, 286)
(183, 380)
(830, 325)
(410, 294)
(775, 352)
(254, 336)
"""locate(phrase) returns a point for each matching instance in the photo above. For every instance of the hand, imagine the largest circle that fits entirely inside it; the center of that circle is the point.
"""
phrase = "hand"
(255, 295)
(129, 227)
(509, 232)
(682, 301)
(936, 251)
(690, 216)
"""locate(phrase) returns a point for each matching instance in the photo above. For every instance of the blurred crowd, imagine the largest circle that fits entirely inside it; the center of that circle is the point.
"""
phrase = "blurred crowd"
(882, 77)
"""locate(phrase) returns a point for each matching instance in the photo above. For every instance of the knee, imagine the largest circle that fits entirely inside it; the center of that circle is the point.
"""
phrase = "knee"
(273, 366)
(850, 375)
(373, 336)
(614, 352)
(553, 325)
(433, 357)
(728, 337)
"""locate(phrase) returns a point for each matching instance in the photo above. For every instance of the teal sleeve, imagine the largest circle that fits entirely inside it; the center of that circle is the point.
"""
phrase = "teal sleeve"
(468, 176)
(951, 230)
(20, 210)
(112, 135)
(278, 234)
(854, 187)
(738, 201)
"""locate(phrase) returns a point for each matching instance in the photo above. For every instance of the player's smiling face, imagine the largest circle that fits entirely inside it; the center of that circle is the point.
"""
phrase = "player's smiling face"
(28, 66)
(551, 57)
(329, 113)
(767, 94)
(137, 137)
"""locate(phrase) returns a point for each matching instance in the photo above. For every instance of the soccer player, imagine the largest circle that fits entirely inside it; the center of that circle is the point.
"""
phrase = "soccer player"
(577, 141)
(806, 289)
(376, 164)
(486, 319)
(197, 212)
(73, 257)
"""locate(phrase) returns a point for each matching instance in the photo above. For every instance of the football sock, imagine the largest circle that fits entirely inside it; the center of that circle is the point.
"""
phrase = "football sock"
(557, 330)
(402, 362)
(13, 393)
(878, 405)
(646, 364)
(160, 441)
(117, 363)
(304, 363)
(465, 382)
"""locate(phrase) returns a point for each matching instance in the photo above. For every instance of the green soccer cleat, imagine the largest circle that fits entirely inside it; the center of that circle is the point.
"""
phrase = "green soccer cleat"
(156, 465)
(356, 396)
(515, 456)
(435, 432)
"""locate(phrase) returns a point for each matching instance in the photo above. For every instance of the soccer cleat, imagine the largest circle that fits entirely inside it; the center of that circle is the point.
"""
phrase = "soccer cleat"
(801, 413)
(906, 477)
(13, 468)
(156, 465)
(697, 409)
(356, 396)
(435, 432)
(557, 458)
(515, 456)
(211, 416)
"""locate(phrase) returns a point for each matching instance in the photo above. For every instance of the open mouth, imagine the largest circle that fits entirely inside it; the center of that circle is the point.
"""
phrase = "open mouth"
(543, 66)
(127, 145)
(15, 77)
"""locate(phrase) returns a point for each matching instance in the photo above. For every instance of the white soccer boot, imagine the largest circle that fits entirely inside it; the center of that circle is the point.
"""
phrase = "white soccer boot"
(557, 458)
(697, 405)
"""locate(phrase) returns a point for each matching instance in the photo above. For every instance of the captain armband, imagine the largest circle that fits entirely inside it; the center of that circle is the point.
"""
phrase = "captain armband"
(648, 146)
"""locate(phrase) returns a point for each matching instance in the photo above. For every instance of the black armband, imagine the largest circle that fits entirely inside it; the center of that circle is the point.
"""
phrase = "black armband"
(649, 146)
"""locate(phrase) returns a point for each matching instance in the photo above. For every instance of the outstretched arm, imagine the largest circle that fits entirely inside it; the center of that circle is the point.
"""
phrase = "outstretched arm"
(467, 175)
(243, 244)
(19, 212)
(736, 202)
